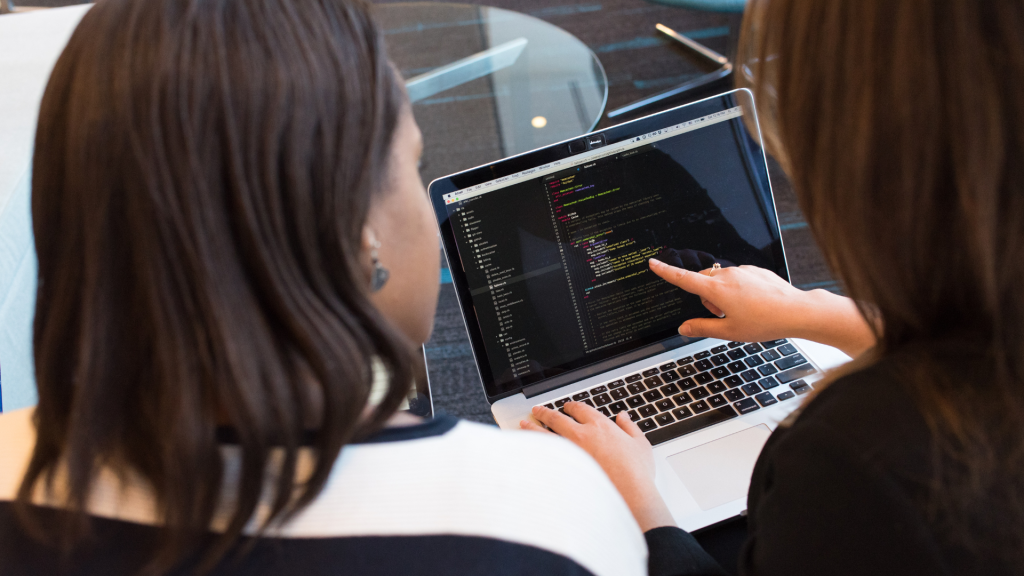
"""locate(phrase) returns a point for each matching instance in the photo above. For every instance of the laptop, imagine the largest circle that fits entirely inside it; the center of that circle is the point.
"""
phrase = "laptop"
(548, 255)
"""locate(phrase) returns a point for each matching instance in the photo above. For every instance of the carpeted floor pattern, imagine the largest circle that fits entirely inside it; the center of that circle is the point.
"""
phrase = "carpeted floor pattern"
(638, 63)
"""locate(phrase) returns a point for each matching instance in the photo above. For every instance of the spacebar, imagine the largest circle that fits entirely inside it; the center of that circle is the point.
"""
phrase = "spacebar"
(697, 422)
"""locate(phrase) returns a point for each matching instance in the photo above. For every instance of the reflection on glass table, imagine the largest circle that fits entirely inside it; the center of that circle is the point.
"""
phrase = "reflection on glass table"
(489, 83)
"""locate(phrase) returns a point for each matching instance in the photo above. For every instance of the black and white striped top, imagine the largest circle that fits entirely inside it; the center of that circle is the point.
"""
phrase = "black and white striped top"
(442, 497)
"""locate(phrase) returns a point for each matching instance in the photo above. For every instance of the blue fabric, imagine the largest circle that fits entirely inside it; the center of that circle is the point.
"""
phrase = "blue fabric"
(18, 273)
(708, 5)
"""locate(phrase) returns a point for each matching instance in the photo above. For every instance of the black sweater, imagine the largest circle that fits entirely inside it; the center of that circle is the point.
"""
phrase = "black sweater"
(841, 491)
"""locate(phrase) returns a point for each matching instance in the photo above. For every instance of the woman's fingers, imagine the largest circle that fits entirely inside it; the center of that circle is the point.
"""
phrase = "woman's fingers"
(560, 423)
(532, 427)
(628, 426)
(706, 328)
(692, 282)
(581, 412)
(712, 308)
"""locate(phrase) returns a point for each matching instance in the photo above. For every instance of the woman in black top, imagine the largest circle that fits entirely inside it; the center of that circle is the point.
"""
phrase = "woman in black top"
(901, 125)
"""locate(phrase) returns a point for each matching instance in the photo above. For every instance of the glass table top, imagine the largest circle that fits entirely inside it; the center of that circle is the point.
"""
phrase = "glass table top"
(487, 83)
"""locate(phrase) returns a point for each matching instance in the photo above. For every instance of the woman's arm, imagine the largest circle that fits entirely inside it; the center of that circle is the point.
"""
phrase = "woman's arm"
(754, 304)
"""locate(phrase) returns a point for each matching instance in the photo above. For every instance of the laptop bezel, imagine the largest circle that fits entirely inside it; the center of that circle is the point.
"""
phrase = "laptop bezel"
(559, 151)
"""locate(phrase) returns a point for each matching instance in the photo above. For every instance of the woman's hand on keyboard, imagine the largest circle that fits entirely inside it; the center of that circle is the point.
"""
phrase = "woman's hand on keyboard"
(620, 448)
(754, 305)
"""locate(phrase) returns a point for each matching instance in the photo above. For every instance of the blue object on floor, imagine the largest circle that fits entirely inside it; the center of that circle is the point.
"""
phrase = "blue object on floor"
(18, 273)
(707, 5)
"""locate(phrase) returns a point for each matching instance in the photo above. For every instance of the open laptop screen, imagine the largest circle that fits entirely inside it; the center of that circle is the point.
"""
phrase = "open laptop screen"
(554, 258)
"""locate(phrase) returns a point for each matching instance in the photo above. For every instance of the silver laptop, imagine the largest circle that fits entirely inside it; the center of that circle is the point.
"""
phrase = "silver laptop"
(548, 255)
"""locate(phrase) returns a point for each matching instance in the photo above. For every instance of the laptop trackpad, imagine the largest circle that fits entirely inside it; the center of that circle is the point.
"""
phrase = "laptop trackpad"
(718, 472)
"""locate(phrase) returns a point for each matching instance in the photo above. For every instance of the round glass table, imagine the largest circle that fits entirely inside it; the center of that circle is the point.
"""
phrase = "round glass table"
(487, 83)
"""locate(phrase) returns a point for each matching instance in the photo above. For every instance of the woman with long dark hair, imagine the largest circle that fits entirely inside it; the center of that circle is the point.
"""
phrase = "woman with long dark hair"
(901, 125)
(237, 264)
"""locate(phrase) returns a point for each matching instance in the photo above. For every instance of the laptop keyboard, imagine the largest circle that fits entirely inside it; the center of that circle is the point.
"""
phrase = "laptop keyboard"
(675, 398)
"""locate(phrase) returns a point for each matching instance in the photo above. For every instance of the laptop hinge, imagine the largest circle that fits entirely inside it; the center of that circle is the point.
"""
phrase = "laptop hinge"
(554, 382)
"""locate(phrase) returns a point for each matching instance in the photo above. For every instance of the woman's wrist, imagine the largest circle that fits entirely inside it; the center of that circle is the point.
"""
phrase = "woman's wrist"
(649, 508)
(827, 318)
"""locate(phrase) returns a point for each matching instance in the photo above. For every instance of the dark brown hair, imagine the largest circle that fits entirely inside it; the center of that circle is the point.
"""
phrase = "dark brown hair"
(202, 174)
(901, 125)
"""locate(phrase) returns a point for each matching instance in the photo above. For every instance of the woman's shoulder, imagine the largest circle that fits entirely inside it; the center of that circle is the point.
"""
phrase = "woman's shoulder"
(17, 440)
(471, 479)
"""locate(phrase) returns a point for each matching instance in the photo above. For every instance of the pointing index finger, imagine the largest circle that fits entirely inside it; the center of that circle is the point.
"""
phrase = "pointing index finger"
(692, 282)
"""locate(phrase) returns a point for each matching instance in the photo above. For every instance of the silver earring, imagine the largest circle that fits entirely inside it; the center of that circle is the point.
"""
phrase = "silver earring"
(380, 273)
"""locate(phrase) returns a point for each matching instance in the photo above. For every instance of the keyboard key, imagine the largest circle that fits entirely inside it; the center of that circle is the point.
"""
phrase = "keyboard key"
(734, 395)
(670, 390)
(790, 361)
(736, 367)
(754, 361)
(598, 390)
(549, 406)
(732, 381)
(767, 369)
(786, 395)
(686, 360)
(558, 403)
(750, 376)
(677, 429)
(720, 372)
(795, 373)
(636, 401)
(664, 419)
(602, 399)
(735, 344)
(652, 395)
(646, 425)
(771, 356)
(636, 388)
(702, 355)
(698, 393)
(687, 370)
(616, 384)
(647, 410)
(683, 399)
(750, 389)
(703, 378)
(664, 404)
(670, 376)
(667, 367)
(681, 413)
(617, 407)
(650, 372)
(719, 349)
(736, 354)
(786, 350)
(717, 387)
(703, 365)
(579, 397)
(604, 411)
(800, 387)
(752, 348)
(619, 393)
(687, 383)
(653, 383)
(720, 360)
(768, 383)
(746, 406)
(766, 399)
(773, 343)
(589, 402)
(633, 415)
(633, 378)
(717, 401)
(699, 407)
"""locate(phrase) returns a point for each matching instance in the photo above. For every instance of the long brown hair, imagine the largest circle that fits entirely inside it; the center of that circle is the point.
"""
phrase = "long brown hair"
(203, 171)
(901, 125)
